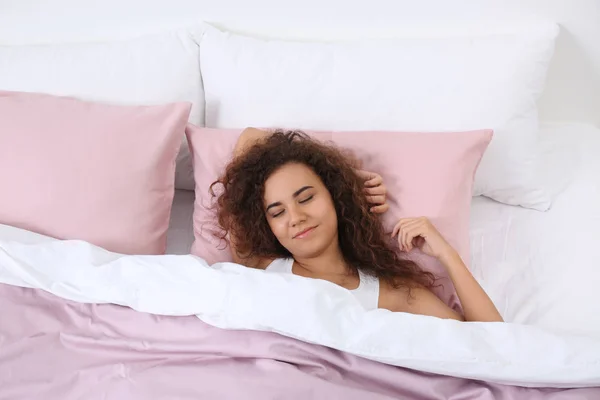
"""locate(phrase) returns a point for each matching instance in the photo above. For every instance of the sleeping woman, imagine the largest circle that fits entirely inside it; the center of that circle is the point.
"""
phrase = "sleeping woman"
(295, 205)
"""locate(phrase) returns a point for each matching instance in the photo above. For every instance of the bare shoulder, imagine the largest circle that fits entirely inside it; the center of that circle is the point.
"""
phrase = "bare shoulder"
(417, 300)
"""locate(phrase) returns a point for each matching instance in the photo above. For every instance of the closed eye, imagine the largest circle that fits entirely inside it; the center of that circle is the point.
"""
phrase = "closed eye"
(307, 199)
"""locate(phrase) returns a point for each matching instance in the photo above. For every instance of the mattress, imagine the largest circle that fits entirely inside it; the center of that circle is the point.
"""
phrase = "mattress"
(543, 268)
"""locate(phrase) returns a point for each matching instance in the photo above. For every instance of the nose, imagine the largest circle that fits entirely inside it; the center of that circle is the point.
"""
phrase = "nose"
(297, 216)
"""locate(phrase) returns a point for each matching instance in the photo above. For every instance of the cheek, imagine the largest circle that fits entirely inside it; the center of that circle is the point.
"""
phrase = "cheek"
(327, 212)
(278, 227)
(332, 218)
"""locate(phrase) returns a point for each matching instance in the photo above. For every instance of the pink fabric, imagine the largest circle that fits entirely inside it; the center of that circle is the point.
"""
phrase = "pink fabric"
(211, 150)
(426, 173)
(79, 170)
(54, 349)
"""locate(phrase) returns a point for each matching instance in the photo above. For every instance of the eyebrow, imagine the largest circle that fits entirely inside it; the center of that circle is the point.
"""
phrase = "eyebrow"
(296, 194)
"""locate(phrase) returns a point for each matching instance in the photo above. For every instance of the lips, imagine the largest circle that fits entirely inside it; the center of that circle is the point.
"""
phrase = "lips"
(304, 233)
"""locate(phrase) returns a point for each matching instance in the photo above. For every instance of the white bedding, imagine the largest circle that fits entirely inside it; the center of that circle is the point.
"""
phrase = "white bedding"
(235, 297)
(543, 268)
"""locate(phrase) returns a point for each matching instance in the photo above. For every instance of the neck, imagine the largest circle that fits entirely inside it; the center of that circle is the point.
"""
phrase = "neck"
(330, 262)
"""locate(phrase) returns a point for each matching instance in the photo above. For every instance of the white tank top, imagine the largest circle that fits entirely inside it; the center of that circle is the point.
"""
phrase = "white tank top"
(367, 292)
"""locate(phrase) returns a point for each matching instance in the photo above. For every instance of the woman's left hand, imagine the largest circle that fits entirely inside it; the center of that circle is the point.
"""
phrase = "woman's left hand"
(420, 233)
(375, 191)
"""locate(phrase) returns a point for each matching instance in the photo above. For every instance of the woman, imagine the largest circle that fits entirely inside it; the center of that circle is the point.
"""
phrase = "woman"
(292, 204)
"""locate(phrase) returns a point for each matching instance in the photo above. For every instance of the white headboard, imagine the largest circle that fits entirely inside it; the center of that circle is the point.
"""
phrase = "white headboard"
(572, 92)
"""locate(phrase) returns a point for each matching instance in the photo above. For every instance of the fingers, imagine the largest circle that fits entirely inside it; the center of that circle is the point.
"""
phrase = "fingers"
(396, 228)
(400, 231)
(380, 209)
(400, 224)
(411, 231)
(405, 236)
(365, 175)
(376, 199)
(407, 230)
(371, 178)
(376, 180)
(377, 190)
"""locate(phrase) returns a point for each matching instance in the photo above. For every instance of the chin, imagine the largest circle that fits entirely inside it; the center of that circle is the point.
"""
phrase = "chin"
(309, 250)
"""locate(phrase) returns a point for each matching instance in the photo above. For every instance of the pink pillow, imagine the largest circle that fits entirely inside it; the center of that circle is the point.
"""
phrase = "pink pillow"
(427, 174)
(79, 170)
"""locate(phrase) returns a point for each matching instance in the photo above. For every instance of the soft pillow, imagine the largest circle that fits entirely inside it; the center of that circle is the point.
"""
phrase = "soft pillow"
(153, 69)
(78, 170)
(406, 84)
(427, 174)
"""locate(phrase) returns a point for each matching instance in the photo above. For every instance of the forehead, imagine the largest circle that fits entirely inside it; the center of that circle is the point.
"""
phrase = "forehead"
(289, 178)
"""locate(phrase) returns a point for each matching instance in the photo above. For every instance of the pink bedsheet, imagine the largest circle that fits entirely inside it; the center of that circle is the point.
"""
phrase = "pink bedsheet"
(53, 349)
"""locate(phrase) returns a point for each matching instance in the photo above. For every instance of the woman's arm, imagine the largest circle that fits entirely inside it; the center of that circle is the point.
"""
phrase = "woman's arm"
(420, 233)
(248, 137)
(477, 306)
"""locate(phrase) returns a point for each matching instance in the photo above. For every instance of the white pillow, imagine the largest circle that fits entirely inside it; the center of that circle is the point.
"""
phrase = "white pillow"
(410, 84)
(154, 69)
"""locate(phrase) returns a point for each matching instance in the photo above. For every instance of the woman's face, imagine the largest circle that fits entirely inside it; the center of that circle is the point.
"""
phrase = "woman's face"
(300, 211)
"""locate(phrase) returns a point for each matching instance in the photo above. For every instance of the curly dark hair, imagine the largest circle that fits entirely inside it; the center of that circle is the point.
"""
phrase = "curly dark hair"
(362, 238)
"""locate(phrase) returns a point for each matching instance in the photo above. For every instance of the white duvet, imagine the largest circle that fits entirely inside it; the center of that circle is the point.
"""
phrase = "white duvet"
(231, 296)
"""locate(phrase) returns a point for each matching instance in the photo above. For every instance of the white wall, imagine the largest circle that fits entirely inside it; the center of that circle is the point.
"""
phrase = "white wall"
(573, 90)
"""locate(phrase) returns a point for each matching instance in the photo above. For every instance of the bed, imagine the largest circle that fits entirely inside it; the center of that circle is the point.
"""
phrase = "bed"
(143, 354)
(117, 309)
